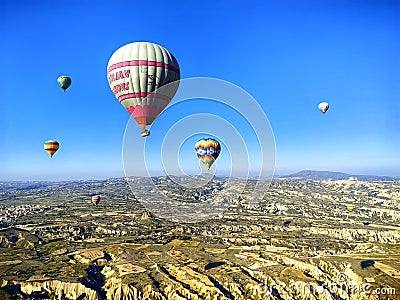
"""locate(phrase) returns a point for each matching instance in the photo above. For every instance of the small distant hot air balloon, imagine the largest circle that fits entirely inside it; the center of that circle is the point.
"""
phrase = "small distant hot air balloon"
(323, 107)
(135, 72)
(64, 82)
(96, 199)
(51, 147)
(207, 151)
(350, 207)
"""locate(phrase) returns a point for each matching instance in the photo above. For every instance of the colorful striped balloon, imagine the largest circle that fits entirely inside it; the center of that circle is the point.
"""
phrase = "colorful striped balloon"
(51, 147)
(207, 150)
(96, 199)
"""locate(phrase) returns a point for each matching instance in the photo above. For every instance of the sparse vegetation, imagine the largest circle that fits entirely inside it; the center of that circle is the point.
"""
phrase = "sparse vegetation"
(301, 231)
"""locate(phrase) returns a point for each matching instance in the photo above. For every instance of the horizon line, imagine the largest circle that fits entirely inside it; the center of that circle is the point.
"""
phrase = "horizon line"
(274, 176)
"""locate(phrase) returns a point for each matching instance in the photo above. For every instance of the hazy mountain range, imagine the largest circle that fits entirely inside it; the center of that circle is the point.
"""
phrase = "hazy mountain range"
(304, 174)
(319, 175)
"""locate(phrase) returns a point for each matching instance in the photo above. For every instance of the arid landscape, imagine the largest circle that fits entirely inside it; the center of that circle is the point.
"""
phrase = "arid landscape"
(300, 242)
(189, 150)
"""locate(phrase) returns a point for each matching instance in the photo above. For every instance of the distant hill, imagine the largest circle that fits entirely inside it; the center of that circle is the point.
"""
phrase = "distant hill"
(319, 175)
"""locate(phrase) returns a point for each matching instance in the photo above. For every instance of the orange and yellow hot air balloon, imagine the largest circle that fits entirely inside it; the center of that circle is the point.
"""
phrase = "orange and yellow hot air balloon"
(51, 147)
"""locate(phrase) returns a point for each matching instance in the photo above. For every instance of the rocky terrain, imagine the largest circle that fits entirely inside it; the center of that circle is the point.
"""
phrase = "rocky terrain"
(298, 242)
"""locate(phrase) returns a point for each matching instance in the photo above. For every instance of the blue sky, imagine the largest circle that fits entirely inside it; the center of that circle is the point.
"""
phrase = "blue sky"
(289, 55)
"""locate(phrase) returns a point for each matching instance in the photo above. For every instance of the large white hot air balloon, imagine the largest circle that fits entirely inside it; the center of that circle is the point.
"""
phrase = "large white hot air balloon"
(323, 107)
(135, 72)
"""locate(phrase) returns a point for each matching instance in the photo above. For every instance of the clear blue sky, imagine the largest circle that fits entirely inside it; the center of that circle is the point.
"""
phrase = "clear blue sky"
(289, 55)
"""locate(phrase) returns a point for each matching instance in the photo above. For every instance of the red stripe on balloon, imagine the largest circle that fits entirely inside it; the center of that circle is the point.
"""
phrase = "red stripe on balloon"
(141, 95)
(142, 63)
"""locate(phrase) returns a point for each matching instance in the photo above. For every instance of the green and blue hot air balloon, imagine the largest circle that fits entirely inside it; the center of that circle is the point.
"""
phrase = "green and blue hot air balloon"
(64, 82)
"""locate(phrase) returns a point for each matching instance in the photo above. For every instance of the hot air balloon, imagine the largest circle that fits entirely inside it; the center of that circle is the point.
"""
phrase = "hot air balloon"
(207, 151)
(51, 147)
(350, 207)
(64, 82)
(96, 199)
(323, 107)
(135, 72)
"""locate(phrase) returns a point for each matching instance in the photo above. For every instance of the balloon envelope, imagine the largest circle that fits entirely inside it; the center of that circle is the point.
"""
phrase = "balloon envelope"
(350, 207)
(323, 107)
(51, 147)
(64, 82)
(207, 151)
(96, 199)
(135, 72)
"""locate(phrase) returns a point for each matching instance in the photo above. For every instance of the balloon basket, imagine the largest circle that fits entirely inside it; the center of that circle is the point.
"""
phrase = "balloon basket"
(145, 133)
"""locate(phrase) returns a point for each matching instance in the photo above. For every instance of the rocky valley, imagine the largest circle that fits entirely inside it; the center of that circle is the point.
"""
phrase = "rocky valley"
(300, 241)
